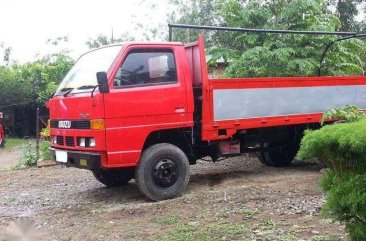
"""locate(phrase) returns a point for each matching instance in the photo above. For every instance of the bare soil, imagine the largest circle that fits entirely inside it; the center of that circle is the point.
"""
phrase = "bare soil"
(237, 199)
(9, 158)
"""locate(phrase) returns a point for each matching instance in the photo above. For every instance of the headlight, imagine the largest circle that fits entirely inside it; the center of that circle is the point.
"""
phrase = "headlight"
(81, 142)
(91, 142)
(53, 139)
(86, 142)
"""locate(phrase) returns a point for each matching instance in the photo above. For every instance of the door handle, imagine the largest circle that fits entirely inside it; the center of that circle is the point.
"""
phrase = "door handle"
(180, 110)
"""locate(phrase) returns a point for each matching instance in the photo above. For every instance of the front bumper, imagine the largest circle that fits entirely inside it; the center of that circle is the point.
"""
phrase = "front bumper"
(79, 159)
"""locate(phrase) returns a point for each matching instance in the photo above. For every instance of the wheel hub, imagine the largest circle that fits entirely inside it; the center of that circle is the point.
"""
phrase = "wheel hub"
(165, 173)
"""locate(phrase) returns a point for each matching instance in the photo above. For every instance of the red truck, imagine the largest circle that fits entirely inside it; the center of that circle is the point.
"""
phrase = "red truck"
(147, 111)
(2, 133)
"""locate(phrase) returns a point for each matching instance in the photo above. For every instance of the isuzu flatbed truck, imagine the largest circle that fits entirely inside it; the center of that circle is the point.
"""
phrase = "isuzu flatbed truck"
(147, 111)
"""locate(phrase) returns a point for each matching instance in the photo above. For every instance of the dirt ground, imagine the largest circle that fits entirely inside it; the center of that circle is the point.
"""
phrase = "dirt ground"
(8, 159)
(237, 199)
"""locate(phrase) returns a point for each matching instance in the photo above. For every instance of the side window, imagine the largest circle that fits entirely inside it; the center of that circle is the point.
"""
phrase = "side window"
(146, 67)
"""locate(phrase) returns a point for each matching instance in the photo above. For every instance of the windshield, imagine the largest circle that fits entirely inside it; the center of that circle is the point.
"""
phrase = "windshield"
(82, 77)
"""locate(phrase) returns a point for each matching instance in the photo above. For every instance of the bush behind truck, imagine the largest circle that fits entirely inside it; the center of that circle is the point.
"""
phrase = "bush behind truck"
(148, 111)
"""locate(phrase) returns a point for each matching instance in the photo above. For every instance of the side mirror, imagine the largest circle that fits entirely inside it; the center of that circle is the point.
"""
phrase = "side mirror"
(102, 82)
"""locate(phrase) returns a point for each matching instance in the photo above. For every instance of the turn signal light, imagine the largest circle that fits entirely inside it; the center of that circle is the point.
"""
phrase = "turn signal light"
(97, 124)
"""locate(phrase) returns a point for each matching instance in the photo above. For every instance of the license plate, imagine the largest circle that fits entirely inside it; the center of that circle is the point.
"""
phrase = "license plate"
(61, 156)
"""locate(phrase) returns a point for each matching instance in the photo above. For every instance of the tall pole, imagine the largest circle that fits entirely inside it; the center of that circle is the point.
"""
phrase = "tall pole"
(37, 133)
(170, 33)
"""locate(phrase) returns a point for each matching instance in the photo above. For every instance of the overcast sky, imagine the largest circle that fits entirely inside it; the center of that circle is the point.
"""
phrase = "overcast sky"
(27, 25)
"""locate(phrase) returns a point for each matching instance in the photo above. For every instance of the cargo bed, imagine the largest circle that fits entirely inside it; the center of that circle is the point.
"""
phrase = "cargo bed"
(229, 105)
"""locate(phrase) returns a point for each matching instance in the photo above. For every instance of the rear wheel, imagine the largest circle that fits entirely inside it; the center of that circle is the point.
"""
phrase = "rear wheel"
(163, 172)
(113, 178)
(2, 143)
(278, 157)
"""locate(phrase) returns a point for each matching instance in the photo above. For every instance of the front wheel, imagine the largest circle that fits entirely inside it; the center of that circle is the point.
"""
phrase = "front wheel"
(163, 172)
(114, 178)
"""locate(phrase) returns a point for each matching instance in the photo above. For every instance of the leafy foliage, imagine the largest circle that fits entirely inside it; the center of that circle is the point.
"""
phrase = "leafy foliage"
(45, 133)
(196, 12)
(349, 113)
(29, 156)
(32, 82)
(347, 11)
(342, 148)
(346, 201)
(265, 55)
(44, 152)
(102, 40)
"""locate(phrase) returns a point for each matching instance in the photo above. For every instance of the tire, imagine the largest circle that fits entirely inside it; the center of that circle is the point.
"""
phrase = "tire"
(163, 172)
(277, 158)
(2, 143)
(114, 178)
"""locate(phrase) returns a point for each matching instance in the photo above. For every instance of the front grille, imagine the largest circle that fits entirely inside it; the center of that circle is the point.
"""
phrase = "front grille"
(70, 141)
(60, 140)
(75, 124)
(80, 124)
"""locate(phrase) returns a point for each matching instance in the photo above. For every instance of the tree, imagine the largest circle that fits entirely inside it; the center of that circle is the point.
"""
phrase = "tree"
(251, 55)
(195, 12)
(6, 53)
(102, 40)
(32, 82)
(347, 10)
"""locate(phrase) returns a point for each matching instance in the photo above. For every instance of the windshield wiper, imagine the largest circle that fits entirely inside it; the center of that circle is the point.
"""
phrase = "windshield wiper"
(85, 87)
(66, 91)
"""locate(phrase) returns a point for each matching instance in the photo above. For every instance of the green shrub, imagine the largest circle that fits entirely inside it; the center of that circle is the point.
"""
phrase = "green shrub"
(349, 113)
(342, 148)
(346, 201)
(44, 152)
(28, 157)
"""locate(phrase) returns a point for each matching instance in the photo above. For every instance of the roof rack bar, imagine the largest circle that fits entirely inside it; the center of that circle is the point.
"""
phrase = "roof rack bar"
(253, 30)
(330, 44)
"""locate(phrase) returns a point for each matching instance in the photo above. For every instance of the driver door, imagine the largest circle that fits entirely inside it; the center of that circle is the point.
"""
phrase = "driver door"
(148, 94)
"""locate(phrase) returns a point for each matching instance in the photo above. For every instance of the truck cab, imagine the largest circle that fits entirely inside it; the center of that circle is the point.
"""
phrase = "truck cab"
(147, 97)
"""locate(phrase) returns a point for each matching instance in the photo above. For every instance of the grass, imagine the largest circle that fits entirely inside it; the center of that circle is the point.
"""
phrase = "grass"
(12, 200)
(27, 148)
(249, 214)
(270, 224)
(166, 220)
(214, 231)
(12, 143)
